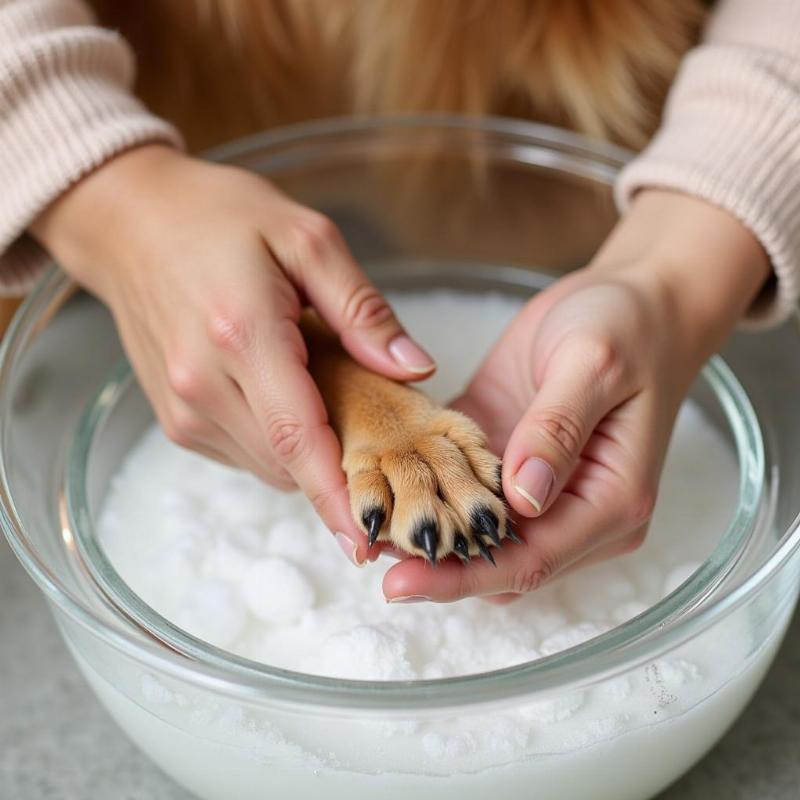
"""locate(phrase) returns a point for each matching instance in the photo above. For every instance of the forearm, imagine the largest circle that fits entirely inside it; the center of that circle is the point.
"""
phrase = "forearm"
(65, 109)
(96, 223)
(730, 135)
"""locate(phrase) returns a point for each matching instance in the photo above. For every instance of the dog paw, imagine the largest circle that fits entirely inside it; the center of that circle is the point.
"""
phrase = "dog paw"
(420, 476)
(427, 484)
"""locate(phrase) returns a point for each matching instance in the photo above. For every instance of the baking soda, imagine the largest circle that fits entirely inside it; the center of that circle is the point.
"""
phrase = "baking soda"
(253, 570)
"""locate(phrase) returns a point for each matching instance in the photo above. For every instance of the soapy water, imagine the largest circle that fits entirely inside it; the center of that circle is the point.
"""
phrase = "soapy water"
(252, 570)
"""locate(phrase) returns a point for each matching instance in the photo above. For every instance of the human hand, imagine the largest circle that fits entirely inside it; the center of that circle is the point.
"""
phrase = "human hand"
(205, 269)
(581, 392)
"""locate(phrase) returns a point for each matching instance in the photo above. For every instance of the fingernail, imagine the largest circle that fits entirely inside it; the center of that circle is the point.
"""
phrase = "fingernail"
(533, 481)
(410, 598)
(349, 549)
(409, 355)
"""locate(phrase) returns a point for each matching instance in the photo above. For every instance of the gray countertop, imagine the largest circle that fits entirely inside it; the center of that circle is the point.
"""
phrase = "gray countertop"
(57, 742)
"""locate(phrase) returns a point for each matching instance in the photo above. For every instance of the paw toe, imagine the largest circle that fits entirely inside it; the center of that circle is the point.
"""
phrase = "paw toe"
(438, 495)
(371, 498)
(470, 439)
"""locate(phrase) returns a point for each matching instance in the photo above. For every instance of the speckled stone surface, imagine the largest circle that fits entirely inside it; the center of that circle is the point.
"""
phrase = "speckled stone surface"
(57, 742)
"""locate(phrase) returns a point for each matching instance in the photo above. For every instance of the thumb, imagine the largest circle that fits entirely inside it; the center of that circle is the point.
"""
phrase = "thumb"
(319, 262)
(546, 444)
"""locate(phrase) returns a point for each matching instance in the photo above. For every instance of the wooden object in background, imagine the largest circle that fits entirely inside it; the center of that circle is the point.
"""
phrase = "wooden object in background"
(8, 306)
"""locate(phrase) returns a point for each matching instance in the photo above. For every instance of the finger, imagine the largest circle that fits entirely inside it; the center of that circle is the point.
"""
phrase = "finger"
(618, 546)
(188, 396)
(602, 512)
(293, 423)
(626, 544)
(550, 545)
(491, 414)
(314, 255)
(544, 447)
(214, 455)
(228, 451)
(237, 419)
(190, 429)
(211, 394)
(503, 599)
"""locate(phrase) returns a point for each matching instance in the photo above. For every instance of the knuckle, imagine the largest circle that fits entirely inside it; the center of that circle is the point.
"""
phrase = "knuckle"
(633, 541)
(640, 507)
(321, 500)
(634, 506)
(320, 226)
(311, 236)
(286, 337)
(603, 360)
(532, 574)
(366, 307)
(283, 479)
(229, 331)
(187, 379)
(560, 427)
(184, 430)
(467, 584)
(286, 436)
(175, 435)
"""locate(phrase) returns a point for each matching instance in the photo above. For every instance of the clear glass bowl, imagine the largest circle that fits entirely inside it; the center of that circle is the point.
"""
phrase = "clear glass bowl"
(437, 201)
(120, 414)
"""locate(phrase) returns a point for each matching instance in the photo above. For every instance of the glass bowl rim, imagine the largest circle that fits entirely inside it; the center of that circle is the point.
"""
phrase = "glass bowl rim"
(564, 669)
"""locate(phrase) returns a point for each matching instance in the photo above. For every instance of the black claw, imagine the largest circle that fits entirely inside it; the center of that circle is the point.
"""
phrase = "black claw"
(427, 537)
(484, 523)
(373, 521)
(511, 535)
(461, 547)
(485, 551)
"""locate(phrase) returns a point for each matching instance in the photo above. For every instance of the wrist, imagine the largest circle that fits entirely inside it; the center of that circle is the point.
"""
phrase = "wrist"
(698, 265)
(89, 227)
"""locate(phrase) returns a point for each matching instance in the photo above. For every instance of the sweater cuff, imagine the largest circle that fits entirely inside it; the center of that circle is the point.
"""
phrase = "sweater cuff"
(66, 110)
(731, 136)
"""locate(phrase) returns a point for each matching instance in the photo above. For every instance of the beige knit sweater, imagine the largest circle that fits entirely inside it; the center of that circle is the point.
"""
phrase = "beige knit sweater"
(731, 130)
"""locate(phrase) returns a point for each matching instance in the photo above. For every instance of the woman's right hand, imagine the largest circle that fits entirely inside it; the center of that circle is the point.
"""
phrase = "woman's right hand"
(205, 269)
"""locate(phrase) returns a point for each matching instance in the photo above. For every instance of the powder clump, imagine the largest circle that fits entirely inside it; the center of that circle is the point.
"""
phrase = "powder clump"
(275, 590)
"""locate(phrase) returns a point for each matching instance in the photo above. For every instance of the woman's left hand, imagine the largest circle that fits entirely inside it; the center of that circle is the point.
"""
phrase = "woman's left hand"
(581, 393)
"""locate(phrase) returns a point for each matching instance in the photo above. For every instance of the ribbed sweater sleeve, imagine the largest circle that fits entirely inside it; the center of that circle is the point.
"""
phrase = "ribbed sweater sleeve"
(731, 136)
(65, 108)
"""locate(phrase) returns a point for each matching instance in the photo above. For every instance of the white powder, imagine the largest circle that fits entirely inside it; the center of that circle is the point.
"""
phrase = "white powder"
(275, 590)
(253, 570)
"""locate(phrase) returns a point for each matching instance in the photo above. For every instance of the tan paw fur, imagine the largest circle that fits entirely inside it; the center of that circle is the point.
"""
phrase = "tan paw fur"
(419, 475)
